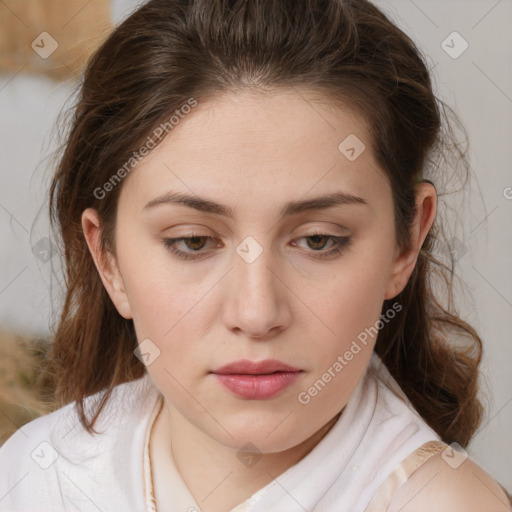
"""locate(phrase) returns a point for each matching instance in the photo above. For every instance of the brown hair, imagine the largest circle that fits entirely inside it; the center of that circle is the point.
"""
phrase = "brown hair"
(169, 51)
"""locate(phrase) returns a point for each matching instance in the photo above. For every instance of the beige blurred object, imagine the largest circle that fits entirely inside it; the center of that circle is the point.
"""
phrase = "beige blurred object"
(25, 391)
(52, 37)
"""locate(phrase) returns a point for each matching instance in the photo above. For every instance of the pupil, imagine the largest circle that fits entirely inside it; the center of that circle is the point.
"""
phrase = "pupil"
(194, 240)
(317, 239)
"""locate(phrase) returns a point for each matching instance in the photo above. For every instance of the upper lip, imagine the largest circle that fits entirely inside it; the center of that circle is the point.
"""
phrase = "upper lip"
(245, 366)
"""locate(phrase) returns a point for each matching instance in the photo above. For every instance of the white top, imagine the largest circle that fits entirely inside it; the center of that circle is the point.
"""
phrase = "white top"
(53, 464)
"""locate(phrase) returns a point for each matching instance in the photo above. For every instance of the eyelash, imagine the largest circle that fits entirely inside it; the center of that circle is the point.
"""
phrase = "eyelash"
(341, 244)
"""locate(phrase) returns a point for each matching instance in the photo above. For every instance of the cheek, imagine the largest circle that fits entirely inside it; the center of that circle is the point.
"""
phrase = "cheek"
(158, 295)
(166, 311)
(351, 312)
(164, 307)
(353, 299)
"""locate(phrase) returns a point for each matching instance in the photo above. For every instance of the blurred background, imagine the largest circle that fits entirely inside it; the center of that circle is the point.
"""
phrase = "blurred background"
(43, 47)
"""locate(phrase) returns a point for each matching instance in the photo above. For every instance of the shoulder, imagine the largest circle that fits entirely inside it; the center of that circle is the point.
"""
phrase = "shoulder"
(27, 438)
(62, 427)
(42, 458)
(27, 464)
(453, 485)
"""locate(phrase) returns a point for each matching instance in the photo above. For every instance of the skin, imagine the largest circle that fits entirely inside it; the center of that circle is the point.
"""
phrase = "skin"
(466, 488)
(254, 152)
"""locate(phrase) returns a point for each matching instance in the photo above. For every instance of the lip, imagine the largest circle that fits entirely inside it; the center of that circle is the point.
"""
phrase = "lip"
(257, 380)
(244, 366)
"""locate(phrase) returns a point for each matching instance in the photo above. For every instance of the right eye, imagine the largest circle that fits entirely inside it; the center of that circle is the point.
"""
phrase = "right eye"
(193, 242)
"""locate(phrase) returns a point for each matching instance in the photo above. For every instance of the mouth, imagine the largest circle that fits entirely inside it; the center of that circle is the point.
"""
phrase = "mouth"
(257, 380)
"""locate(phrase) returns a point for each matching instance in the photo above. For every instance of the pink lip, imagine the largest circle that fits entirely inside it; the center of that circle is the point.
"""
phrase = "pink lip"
(257, 380)
(255, 368)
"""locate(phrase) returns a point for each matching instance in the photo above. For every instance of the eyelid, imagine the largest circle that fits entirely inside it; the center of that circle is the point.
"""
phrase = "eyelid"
(341, 243)
(314, 231)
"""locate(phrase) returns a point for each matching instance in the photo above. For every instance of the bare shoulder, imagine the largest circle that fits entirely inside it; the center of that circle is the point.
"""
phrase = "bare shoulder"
(464, 487)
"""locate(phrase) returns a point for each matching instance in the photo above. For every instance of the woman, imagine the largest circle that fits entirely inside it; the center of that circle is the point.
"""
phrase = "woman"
(249, 323)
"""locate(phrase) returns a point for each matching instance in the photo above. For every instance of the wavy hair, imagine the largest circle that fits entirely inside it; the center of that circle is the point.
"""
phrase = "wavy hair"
(168, 51)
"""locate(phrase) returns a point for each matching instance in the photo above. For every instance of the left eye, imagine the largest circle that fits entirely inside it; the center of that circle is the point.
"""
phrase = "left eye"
(319, 240)
(195, 244)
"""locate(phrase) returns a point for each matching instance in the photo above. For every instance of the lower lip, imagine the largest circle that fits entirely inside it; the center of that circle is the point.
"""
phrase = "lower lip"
(258, 387)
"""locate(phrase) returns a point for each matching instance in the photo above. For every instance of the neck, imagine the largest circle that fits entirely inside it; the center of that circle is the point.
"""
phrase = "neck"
(219, 477)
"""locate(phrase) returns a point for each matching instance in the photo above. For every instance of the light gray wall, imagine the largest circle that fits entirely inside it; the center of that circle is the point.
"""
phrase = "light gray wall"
(478, 84)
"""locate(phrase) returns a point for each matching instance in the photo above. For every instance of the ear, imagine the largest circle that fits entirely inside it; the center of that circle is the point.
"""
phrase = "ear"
(404, 262)
(106, 264)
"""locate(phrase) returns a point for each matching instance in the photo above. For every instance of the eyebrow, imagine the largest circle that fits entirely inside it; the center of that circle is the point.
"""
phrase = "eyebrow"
(291, 208)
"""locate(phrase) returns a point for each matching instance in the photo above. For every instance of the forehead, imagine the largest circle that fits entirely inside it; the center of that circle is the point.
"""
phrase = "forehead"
(260, 149)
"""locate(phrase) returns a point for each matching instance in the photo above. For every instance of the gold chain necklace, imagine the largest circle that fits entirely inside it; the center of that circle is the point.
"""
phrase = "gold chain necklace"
(149, 486)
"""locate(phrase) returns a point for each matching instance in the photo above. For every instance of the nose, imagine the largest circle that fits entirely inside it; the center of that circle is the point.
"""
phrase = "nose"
(256, 302)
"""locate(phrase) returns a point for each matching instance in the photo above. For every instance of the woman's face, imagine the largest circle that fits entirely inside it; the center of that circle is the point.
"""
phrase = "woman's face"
(283, 264)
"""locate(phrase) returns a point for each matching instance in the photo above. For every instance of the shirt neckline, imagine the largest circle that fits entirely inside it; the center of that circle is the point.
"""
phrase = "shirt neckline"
(338, 430)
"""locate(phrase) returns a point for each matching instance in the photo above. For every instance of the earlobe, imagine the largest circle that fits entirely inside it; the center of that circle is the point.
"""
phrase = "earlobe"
(105, 263)
(405, 261)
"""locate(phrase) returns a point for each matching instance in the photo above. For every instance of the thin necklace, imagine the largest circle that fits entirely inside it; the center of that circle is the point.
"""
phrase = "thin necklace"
(149, 486)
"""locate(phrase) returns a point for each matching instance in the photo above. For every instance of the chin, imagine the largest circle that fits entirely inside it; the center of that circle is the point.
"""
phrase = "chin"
(268, 433)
